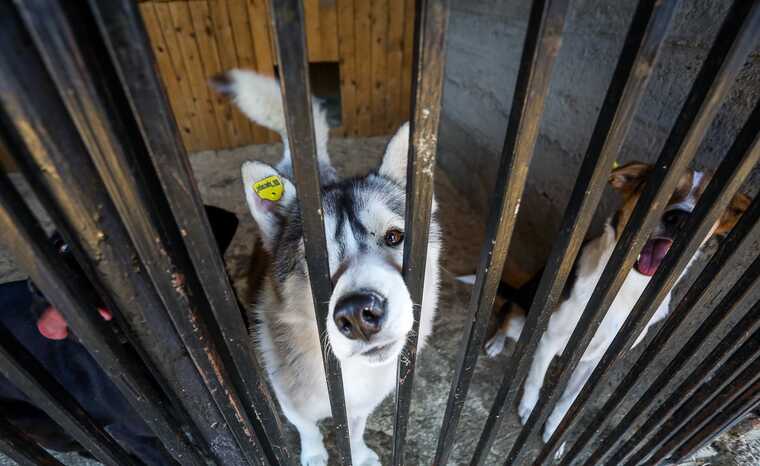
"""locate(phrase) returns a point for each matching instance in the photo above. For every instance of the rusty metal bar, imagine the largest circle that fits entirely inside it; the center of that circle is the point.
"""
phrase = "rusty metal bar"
(23, 449)
(739, 161)
(63, 177)
(121, 26)
(431, 23)
(34, 254)
(643, 42)
(29, 376)
(718, 369)
(726, 58)
(723, 420)
(78, 72)
(288, 22)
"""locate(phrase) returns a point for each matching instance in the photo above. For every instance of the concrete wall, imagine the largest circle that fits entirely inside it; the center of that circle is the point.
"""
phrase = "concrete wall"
(484, 45)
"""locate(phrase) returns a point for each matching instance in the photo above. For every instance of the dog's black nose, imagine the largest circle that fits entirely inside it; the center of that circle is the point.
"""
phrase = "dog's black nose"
(360, 315)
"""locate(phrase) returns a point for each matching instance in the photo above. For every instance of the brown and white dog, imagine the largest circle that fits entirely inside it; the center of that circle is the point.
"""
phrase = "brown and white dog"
(629, 181)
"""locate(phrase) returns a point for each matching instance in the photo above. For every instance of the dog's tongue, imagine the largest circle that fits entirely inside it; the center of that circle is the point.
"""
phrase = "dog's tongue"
(651, 256)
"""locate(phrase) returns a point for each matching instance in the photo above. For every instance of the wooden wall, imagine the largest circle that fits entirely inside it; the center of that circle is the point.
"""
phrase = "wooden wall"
(370, 40)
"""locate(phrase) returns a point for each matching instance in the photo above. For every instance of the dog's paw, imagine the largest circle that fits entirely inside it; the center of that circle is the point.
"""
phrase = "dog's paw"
(528, 401)
(560, 451)
(314, 458)
(495, 345)
(362, 455)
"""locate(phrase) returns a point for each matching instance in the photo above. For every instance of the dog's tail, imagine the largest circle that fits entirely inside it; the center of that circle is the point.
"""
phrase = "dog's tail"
(259, 98)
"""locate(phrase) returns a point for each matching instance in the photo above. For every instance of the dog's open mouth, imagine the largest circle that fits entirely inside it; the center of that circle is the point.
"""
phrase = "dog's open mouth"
(652, 254)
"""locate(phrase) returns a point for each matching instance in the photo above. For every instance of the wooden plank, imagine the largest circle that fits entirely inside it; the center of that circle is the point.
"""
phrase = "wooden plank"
(169, 57)
(347, 66)
(183, 29)
(379, 52)
(328, 27)
(241, 130)
(209, 59)
(258, 13)
(313, 34)
(363, 66)
(395, 65)
(246, 54)
(406, 74)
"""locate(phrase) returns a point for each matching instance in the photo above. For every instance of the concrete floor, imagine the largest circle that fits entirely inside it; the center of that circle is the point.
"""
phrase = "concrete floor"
(218, 177)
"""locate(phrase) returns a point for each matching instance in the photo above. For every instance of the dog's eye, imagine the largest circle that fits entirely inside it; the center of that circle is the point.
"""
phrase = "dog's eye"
(394, 236)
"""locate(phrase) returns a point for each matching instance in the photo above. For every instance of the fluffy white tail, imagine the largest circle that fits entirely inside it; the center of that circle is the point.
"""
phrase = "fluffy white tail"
(259, 98)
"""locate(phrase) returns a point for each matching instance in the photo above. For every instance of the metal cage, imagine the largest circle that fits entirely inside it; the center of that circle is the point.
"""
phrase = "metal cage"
(86, 121)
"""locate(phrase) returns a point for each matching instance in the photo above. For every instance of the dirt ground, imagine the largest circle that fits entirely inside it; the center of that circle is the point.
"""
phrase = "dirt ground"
(219, 180)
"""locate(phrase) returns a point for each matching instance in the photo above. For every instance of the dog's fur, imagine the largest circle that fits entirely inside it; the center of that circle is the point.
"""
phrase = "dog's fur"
(358, 213)
(628, 180)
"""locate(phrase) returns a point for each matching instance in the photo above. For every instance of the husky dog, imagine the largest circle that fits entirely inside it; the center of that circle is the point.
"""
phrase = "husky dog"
(629, 180)
(370, 310)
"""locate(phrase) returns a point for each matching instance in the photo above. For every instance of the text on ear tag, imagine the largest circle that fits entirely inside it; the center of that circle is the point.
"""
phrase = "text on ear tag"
(270, 188)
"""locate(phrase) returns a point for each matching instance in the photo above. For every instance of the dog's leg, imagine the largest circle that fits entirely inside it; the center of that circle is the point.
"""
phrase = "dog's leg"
(574, 386)
(546, 351)
(313, 452)
(361, 454)
(510, 327)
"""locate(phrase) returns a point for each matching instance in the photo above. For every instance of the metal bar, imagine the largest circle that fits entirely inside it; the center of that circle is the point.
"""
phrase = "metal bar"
(431, 22)
(718, 368)
(23, 449)
(733, 45)
(137, 204)
(288, 25)
(643, 42)
(62, 176)
(542, 43)
(77, 70)
(736, 398)
(34, 254)
(723, 421)
(121, 26)
(738, 243)
(740, 160)
(28, 375)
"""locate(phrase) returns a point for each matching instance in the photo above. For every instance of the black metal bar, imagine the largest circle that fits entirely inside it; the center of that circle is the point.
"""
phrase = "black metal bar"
(288, 25)
(718, 368)
(542, 42)
(29, 376)
(34, 254)
(431, 22)
(737, 244)
(23, 449)
(62, 175)
(740, 160)
(725, 408)
(733, 45)
(723, 420)
(643, 42)
(73, 68)
(122, 28)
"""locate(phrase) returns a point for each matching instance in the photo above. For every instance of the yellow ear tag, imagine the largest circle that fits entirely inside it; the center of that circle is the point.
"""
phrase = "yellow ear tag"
(615, 165)
(270, 188)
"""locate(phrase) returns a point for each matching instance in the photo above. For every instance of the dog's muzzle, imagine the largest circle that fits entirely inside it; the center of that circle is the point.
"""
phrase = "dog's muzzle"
(360, 315)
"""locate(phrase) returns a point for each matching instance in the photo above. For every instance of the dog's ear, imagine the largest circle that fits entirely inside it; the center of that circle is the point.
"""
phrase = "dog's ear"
(394, 160)
(736, 208)
(628, 177)
(268, 195)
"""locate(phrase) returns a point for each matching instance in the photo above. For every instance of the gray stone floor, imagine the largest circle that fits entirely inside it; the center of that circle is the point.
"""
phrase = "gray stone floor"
(218, 177)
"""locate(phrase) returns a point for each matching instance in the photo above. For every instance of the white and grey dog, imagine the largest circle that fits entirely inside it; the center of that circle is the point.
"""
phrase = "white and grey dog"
(370, 310)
